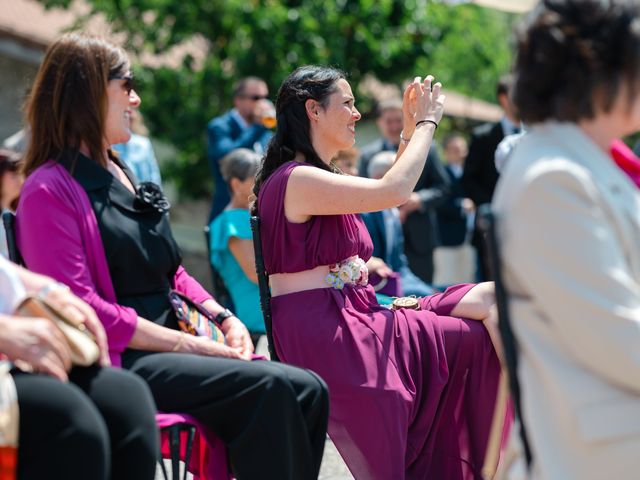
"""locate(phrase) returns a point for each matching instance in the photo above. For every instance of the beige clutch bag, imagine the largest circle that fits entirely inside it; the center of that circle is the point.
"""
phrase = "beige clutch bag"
(83, 347)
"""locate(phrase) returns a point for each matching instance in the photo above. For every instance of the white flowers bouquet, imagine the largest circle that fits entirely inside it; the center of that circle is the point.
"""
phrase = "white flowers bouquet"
(352, 271)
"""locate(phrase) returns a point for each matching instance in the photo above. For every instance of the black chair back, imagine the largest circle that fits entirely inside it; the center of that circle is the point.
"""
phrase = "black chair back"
(263, 284)
(220, 290)
(9, 222)
(486, 221)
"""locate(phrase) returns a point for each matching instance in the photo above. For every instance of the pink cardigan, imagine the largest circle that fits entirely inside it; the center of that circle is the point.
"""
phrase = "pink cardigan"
(58, 235)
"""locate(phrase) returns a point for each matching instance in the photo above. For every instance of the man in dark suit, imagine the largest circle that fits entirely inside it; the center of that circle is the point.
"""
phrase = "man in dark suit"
(241, 127)
(386, 234)
(480, 175)
(454, 261)
(418, 213)
(453, 213)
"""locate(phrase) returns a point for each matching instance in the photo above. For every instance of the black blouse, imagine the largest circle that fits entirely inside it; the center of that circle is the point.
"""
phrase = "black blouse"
(141, 252)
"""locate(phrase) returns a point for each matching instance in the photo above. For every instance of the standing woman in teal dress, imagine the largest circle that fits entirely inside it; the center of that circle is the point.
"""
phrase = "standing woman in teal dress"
(412, 392)
(231, 239)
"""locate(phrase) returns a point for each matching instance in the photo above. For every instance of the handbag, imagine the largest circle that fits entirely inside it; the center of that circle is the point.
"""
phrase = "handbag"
(193, 318)
(82, 344)
(389, 286)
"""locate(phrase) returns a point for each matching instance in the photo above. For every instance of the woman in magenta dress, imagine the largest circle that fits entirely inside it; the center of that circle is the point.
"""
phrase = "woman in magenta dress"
(412, 392)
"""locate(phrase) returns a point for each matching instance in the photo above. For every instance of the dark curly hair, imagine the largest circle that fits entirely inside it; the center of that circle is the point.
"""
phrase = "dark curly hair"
(574, 56)
(293, 131)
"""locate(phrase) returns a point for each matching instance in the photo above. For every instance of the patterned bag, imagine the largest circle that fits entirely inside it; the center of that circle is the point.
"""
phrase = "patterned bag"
(193, 318)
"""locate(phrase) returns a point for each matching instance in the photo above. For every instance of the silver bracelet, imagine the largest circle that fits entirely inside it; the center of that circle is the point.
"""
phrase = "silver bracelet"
(405, 141)
(51, 287)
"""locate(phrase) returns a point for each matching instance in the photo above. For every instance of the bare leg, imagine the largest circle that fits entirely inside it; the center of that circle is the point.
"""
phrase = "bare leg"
(479, 303)
(476, 303)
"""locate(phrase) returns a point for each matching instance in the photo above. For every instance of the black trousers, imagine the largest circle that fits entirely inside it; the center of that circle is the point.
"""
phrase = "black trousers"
(272, 417)
(99, 426)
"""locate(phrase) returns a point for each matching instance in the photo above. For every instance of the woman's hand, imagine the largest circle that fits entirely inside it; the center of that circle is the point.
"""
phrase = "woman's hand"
(234, 330)
(37, 342)
(207, 347)
(376, 265)
(80, 312)
(420, 102)
(238, 336)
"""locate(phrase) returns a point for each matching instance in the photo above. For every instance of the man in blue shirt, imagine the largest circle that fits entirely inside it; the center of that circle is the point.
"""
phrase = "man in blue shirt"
(241, 127)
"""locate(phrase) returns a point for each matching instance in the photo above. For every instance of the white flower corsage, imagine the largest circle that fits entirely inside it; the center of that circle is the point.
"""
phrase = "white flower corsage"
(351, 271)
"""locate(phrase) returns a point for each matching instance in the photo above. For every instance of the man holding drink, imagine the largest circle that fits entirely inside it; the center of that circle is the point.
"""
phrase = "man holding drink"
(247, 125)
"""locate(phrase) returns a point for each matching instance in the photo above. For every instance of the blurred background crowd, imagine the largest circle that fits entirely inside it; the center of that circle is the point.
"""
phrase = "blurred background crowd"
(208, 75)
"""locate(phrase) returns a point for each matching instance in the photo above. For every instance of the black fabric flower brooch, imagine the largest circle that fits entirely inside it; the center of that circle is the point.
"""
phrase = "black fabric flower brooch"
(149, 195)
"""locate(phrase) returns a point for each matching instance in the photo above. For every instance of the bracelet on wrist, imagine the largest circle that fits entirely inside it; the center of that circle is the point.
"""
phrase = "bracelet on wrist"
(178, 344)
(51, 287)
(433, 122)
(404, 140)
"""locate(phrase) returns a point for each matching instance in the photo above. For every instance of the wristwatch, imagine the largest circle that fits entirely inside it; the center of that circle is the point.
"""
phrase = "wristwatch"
(223, 315)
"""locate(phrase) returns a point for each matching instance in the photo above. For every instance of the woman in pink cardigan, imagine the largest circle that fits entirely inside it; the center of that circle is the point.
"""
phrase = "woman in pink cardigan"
(85, 221)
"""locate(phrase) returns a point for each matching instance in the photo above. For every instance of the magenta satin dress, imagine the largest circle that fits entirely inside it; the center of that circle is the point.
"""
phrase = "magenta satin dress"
(412, 392)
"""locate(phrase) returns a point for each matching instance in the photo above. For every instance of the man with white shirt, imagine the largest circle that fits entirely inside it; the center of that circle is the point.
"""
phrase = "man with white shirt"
(241, 127)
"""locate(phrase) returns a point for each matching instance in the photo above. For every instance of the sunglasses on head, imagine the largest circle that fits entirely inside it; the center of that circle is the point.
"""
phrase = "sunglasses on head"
(128, 81)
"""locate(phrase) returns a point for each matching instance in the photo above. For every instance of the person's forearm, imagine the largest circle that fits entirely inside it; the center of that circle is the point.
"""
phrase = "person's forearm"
(404, 174)
(5, 324)
(214, 307)
(32, 281)
(156, 338)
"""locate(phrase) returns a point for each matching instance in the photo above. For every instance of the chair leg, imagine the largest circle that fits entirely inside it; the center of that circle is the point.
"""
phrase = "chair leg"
(174, 448)
(191, 433)
(162, 467)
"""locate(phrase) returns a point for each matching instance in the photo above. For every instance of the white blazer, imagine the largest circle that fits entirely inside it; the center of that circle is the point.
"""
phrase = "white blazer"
(569, 227)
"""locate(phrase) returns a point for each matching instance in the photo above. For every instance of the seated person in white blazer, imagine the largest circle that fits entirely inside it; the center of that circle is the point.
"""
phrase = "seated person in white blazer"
(569, 227)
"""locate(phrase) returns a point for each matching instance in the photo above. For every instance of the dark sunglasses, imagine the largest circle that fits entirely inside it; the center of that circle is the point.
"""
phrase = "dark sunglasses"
(255, 98)
(8, 166)
(128, 81)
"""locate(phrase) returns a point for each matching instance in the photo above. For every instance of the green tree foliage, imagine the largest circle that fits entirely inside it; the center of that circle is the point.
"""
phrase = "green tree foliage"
(465, 46)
